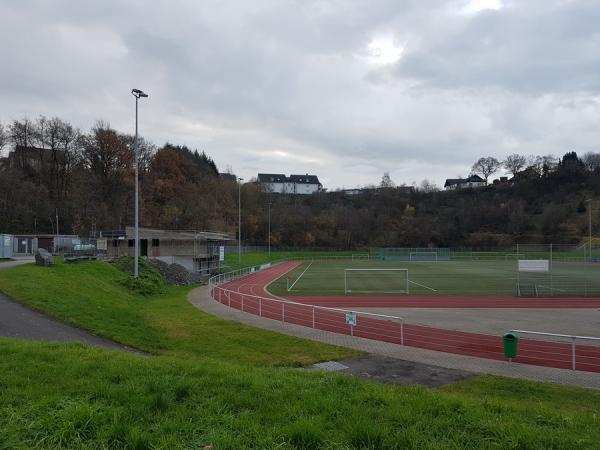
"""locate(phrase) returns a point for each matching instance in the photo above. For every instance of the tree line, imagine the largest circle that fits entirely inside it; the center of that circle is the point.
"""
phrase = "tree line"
(85, 179)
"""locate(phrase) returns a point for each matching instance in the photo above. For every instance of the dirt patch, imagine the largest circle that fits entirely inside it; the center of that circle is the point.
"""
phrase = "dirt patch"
(395, 371)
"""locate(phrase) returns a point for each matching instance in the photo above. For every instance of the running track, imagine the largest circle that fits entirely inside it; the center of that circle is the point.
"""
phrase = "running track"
(237, 294)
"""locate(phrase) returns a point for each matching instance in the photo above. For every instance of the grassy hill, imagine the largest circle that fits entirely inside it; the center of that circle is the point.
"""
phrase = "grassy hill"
(213, 382)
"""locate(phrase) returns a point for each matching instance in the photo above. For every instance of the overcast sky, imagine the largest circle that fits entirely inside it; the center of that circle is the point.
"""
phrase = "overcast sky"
(346, 90)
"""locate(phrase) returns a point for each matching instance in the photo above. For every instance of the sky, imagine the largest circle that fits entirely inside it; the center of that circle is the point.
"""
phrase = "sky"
(346, 90)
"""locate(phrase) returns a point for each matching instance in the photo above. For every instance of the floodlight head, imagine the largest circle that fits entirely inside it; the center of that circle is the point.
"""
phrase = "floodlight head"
(138, 93)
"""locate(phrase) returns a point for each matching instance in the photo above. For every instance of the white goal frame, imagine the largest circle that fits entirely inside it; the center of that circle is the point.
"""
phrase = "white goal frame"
(347, 291)
(424, 253)
(361, 257)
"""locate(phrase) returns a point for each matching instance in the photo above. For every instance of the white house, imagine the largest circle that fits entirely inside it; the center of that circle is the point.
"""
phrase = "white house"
(294, 184)
(460, 183)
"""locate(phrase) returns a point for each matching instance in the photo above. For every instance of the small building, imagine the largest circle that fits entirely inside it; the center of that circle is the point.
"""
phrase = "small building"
(294, 184)
(472, 181)
(197, 251)
(6, 246)
(28, 244)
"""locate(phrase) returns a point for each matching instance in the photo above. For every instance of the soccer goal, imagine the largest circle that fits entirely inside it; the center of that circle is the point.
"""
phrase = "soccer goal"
(361, 257)
(375, 281)
(424, 256)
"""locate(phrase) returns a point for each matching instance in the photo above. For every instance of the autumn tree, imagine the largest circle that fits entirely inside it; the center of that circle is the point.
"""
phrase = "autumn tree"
(486, 166)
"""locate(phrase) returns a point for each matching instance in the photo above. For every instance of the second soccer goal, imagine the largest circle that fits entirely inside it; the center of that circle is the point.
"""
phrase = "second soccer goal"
(375, 281)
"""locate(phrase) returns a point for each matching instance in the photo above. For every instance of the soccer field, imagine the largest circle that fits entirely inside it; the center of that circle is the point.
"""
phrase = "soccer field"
(496, 277)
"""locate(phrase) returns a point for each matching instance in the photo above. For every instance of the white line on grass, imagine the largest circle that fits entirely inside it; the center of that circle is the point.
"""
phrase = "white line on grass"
(290, 288)
(422, 285)
(551, 288)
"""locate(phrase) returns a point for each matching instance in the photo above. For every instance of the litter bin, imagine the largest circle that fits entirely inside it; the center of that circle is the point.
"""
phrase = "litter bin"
(511, 344)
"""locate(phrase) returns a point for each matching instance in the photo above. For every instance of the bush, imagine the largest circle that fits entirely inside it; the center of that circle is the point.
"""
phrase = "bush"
(149, 282)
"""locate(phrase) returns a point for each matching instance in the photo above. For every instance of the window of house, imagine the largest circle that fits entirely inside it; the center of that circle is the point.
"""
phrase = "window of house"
(155, 242)
(131, 243)
(115, 243)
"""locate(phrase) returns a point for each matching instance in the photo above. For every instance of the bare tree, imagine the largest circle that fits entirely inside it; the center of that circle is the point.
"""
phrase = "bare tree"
(486, 166)
(515, 163)
(428, 186)
(3, 138)
(386, 181)
(591, 161)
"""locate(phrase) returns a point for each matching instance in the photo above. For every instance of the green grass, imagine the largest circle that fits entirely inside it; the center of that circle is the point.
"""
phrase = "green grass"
(71, 396)
(6, 259)
(497, 277)
(212, 382)
(95, 296)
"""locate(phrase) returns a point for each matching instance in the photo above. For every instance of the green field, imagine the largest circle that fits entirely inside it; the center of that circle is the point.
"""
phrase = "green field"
(454, 277)
(210, 382)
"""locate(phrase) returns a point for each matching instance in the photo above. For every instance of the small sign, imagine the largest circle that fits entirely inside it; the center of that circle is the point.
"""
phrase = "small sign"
(351, 318)
(222, 253)
(101, 244)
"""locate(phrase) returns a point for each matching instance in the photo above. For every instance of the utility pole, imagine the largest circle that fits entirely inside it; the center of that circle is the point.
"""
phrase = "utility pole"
(240, 220)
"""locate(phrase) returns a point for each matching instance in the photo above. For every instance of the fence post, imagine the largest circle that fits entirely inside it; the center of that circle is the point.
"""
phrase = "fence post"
(351, 330)
(283, 312)
(313, 316)
(402, 332)
(573, 353)
(260, 306)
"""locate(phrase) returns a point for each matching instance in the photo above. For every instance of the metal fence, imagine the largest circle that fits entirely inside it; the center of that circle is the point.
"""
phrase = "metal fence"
(586, 359)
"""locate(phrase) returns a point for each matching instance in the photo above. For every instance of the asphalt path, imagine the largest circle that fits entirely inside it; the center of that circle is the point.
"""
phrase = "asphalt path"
(19, 321)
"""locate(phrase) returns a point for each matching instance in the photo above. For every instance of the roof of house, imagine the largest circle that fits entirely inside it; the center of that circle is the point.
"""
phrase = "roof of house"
(304, 179)
(155, 233)
(228, 176)
(272, 178)
(470, 179)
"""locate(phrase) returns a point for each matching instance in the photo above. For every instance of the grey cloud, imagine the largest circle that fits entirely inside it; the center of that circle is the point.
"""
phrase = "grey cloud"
(244, 80)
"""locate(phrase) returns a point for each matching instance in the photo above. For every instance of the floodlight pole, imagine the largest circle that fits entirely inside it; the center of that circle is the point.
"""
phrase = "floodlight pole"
(240, 220)
(269, 205)
(137, 94)
(589, 201)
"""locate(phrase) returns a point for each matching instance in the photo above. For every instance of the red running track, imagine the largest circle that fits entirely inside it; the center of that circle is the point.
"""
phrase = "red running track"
(542, 353)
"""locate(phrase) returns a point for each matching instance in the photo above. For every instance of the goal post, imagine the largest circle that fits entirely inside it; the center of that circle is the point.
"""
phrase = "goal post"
(423, 256)
(376, 281)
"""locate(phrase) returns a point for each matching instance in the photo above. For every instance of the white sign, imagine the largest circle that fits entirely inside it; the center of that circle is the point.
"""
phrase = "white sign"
(101, 244)
(534, 265)
(222, 253)
(351, 318)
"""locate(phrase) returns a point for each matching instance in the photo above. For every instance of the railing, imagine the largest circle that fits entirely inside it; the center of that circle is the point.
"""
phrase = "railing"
(373, 326)
(324, 318)
(573, 338)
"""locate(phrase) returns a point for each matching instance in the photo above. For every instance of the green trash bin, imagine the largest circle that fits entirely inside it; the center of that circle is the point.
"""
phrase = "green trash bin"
(511, 344)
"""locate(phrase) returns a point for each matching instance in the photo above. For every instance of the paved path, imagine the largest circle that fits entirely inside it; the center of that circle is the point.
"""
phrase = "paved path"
(18, 321)
(200, 298)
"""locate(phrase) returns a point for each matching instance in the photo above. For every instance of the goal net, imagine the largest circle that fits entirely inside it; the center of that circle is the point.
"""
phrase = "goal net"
(361, 257)
(423, 256)
(375, 281)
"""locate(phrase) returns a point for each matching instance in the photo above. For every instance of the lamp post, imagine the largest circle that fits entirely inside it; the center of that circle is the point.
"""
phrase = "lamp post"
(589, 201)
(269, 235)
(240, 220)
(137, 94)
